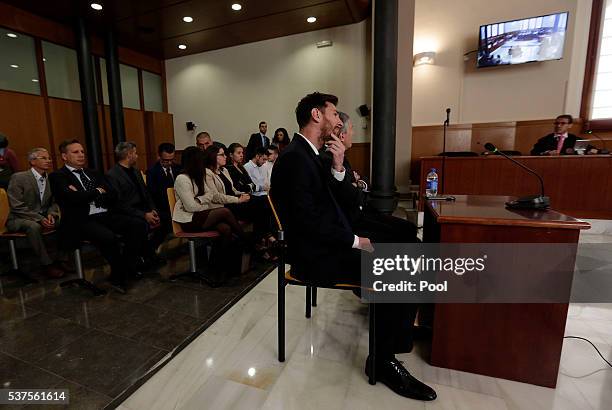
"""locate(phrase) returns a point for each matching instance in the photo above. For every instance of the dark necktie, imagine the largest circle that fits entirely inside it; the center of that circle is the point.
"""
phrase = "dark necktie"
(87, 182)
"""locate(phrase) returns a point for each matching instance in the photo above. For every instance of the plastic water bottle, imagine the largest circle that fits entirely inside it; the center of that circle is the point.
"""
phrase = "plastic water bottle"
(431, 187)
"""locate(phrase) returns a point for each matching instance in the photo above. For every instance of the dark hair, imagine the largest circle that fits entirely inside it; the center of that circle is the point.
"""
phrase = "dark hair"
(568, 117)
(202, 135)
(233, 147)
(210, 154)
(122, 149)
(192, 161)
(306, 104)
(285, 140)
(3, 141)
(63, 146)
(166, 147)
(262, 122)
(261, 151)
(273, 148)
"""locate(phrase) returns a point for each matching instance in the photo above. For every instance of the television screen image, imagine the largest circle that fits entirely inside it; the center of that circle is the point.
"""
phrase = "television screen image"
(522, 41)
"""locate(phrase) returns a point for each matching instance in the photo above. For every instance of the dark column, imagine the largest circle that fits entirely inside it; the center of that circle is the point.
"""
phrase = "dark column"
(383, 195)
(88, 97)
(114, 88)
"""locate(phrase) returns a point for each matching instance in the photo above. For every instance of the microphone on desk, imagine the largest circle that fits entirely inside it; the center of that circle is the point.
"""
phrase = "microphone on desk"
(447, 122)
(526, 202)
(604, 150)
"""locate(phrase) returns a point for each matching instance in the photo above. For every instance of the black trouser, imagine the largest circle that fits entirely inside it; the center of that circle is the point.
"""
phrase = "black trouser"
(381, 228)
(102, 230)
(256, 210)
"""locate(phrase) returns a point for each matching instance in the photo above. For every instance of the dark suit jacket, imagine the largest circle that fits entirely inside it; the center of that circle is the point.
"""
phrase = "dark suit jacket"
(157, 184)
(24, 198)
(132, 200)
(318, 234)
(350, 198)
(241, 179)
(74, 205)
(549, 143)
(254, 143)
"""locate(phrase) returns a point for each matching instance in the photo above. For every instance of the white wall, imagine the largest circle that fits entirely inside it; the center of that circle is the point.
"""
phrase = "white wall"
(521, 92)
(228, 91)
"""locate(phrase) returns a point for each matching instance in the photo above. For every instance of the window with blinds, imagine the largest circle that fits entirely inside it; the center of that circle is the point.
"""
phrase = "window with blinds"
(601, 104)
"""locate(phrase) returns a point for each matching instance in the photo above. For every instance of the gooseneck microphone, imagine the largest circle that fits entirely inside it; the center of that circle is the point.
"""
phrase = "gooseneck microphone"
(447, 116)
(526, 202)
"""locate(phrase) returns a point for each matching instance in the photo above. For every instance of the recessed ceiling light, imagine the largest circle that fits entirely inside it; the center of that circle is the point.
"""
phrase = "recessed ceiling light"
(44, 59)
(14, 66)
(236, 7)
(182, 46)
(311, 19)
(34, 80)
(187, 19)
(96, 6)
(11, 35)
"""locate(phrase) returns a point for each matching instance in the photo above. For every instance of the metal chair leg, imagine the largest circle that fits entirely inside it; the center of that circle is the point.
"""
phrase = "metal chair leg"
(27, 279)
(81, 281)
(281, 310)
(308, 301)
(372, 344)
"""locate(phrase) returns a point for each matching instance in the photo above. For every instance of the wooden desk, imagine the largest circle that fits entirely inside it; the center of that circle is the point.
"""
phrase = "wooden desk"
(512, 341)
(580, 186)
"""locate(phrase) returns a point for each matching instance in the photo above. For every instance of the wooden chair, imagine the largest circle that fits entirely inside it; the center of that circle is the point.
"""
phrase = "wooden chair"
(285, 278)
(192, 237)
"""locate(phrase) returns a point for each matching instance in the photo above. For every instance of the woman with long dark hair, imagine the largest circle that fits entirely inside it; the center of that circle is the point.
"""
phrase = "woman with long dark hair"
(197, 209)
(281, 139)
(240, 177)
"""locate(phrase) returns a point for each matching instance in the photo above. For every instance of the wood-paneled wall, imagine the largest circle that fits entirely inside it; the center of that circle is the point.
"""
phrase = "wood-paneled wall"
(512, 135)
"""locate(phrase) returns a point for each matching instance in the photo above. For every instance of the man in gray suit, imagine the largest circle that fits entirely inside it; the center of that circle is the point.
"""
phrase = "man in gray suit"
(33, 209)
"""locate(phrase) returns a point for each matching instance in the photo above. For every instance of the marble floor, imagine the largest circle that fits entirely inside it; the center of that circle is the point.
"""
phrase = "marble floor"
(233, 364)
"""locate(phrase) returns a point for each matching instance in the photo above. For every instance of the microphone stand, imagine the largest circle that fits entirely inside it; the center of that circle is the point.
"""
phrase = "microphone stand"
(441, 196)
(603, 150)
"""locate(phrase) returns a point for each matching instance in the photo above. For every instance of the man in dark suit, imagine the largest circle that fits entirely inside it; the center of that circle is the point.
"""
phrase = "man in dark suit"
(33, 209)
(321, 245)
(559, 142)
(160, 177)
(84, 197)
(257, 140)
(133, 198)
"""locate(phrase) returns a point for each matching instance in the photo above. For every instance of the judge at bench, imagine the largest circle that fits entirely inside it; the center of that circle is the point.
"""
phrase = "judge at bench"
(559, 142)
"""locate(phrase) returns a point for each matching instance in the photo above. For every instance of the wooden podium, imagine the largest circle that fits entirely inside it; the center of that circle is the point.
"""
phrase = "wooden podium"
(519, 342)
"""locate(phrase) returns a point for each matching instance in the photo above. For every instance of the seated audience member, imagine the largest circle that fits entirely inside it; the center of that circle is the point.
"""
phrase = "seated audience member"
(133, 198)
(257, 140)
(240, 177)
(160, 177)
(281, 139)
(198, 209)
(321, 244)
(272, 157)
(259, 173)
(33, 208)
(558, 142)
(84, 197)
(203, 140)
(8, 162)
(366, 222)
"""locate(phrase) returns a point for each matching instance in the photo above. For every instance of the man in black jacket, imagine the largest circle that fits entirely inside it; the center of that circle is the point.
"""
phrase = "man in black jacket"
(84, 197)
(257, 140)
(160, 177)
(134, 200)
(321, 245)
(558, 143)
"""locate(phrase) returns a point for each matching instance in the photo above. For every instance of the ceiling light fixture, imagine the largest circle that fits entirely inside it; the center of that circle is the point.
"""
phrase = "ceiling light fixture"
(11, 35)
(96, 6)
(311, 19)
(236, 7)
(424, 58)
(187, 19)
(34, 80)
(182, 46)
(14, 66)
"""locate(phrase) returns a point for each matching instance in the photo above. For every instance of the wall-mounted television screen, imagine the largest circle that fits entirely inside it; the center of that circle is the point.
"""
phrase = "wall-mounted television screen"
(522, 41)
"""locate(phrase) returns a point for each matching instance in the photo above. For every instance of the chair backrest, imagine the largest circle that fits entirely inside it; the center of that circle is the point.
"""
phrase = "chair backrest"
(144, 177)
(176, 227)
(278, 222)
(4, 209)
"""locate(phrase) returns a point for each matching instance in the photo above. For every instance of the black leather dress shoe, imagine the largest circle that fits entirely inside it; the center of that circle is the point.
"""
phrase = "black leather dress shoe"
(392, 373)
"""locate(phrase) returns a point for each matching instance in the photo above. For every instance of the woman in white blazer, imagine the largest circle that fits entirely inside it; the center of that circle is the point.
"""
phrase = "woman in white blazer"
(198, 209)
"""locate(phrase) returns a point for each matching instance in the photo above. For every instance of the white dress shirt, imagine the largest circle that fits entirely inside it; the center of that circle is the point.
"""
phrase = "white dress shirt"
(93, 209)
(258, 176)
(42, 183)
(338, 175)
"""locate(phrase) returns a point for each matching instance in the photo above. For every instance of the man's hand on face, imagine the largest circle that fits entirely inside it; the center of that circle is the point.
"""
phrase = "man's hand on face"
(336, 147)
